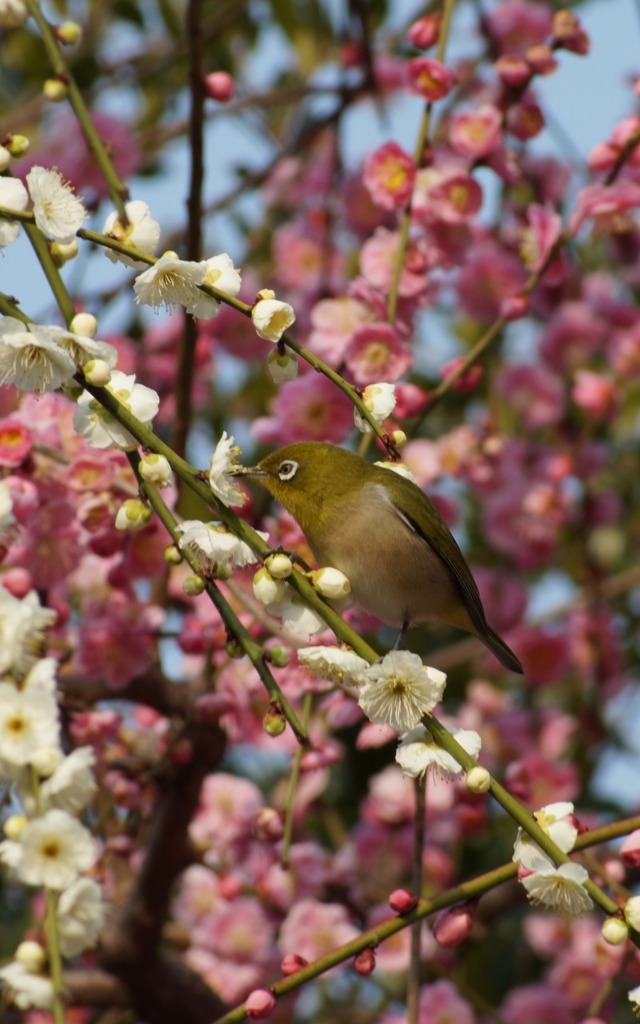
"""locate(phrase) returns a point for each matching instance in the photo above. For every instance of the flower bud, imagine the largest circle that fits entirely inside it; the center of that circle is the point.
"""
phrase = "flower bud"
(156, 469)
(424, 32)
(279, 565)
(211, 706)
(268, 824)
(330, 582)
(478, 779)
(632, 912)
(133, 515)
(270, 317)
(614, 931)
(266, 589)
(17, 145)
(219, 86)
(452, 926)
(5, 158)
(398, 438)
(274, 723)
(514, 307)
(55, 90)
(278, 656)
(69, 33)
(45, 760)
(234, 648)
(630, 849)
(63, 252)
(292, 963)
(193, 585)
(260, 1003)
(32, 956)
(172, 555)
(84, 324)
(282, 366)
(402, 901)
(14, 825)
(365, 962)
(97, 372)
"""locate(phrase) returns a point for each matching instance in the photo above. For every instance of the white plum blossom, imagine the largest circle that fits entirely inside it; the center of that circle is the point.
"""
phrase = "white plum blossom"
(418, 753)
(27, 990)
(212, 543)
(82, 349)
(380, 401)
(271, 317)
(141, 233)
(41, 675)
(58, 211)
(31, 358)
(634, 998)
(100, 428)
(266, 588)
(399, 690)
(334, 664)
(219, 273)
(223, 465)
(560, 889)
(22, 624)
(296, 616)
(72, 785)
(81, 915)
(14, 196)
(170, 282)
(555, 820)
(28, 721)
(282, 366)
(52, 850)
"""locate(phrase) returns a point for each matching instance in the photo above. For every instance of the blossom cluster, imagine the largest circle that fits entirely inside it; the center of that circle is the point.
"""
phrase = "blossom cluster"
(46, 846)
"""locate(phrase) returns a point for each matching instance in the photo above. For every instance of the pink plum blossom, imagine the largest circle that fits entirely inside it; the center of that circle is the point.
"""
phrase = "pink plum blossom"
(429, 78)
(15, 442)
(306, 409)
(476, 133)
(375, 353)
(536, 393)
(313, 929)
(389, 174)
(515, 25)
(377, 260)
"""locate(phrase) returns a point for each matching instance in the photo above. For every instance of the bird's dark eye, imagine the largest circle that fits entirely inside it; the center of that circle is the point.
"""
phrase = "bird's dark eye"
(287, 469)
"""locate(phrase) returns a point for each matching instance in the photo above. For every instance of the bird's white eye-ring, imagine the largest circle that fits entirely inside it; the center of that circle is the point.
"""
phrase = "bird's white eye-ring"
(287, 469)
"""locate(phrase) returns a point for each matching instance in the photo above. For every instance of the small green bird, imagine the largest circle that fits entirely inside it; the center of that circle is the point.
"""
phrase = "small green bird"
(384, 534)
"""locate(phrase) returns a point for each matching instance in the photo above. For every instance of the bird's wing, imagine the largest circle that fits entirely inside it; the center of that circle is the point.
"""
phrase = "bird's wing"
(442, 541)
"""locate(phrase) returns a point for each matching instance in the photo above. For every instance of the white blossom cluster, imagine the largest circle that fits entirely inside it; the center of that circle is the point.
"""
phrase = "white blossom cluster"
(557, 887)
(46, 846)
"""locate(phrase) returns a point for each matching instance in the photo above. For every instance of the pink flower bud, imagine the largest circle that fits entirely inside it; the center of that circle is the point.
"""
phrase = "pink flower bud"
(425, 31)
(219, 86)
(260, 1003)
(292, 963)
(365, 962)
(467, 381)
(525, 120)
(230, 887)
(452, 926)
(268, 824)
(513, 70)
(211, 706)
(568, 33)
(514, 307)
(541, 60)
(17, 581)
(630, 850)
(402, 901)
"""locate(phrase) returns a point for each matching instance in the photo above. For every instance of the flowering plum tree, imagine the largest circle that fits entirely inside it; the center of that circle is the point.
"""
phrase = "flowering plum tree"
(224, 797)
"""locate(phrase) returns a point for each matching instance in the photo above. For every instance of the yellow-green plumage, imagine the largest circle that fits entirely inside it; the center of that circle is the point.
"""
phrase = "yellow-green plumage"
(384, 534)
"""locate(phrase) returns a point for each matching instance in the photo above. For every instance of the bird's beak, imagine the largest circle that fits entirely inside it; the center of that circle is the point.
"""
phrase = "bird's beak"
(253, 471)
